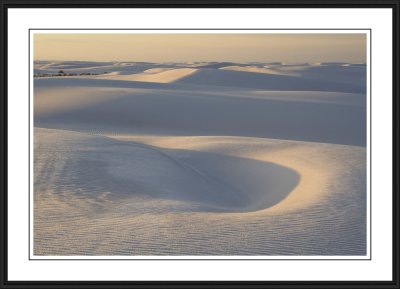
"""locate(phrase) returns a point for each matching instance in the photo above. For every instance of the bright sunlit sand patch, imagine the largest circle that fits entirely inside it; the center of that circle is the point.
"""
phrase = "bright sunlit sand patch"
(154, 75)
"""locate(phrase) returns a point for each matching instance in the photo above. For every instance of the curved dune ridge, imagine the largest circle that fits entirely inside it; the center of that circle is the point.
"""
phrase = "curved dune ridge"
(213, 181)
(200, 159)
(126, 191)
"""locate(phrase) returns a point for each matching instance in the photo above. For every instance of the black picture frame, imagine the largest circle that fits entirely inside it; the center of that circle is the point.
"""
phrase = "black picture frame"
(394, 5)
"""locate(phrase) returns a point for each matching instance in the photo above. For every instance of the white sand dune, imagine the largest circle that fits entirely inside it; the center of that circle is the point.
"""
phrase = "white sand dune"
(336, 77)
(256, 69)
(196, 196)
(199, 160)
(198, 177)
(232, 78)
(341, 73)
(164, 75)
(75, 103)
(90, 67)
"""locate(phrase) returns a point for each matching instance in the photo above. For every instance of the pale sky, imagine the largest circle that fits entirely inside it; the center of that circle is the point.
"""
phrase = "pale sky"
(164, 47)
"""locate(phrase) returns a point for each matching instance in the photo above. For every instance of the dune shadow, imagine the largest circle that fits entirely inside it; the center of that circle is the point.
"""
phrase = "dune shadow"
(207, 181)
(235, 183)
(196, 114)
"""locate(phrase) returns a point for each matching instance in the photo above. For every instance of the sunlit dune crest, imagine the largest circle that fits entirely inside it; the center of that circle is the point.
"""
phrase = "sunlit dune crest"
(155, 75)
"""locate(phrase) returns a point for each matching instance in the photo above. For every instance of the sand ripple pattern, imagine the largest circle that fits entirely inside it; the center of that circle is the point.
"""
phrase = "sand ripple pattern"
(84, 203)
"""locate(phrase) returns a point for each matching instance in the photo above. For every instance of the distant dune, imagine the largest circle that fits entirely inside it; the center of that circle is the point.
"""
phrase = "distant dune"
(255, 69)
(270, 81)
(76, 103)
(158, 75)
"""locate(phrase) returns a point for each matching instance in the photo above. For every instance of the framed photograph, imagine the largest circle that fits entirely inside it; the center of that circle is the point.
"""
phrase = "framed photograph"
(200, 145)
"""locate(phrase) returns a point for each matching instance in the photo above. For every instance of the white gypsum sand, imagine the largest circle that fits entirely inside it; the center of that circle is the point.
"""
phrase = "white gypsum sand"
(202, 159)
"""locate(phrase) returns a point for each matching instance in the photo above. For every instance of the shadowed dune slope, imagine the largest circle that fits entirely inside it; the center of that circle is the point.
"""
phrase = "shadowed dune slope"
(309, 82)
(102, 104)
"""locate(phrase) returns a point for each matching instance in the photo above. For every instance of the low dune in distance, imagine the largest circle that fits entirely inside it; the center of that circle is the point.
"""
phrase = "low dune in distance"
(154, 75)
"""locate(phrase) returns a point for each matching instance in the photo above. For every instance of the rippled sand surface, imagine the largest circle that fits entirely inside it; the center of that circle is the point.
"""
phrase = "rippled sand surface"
(173, 161)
